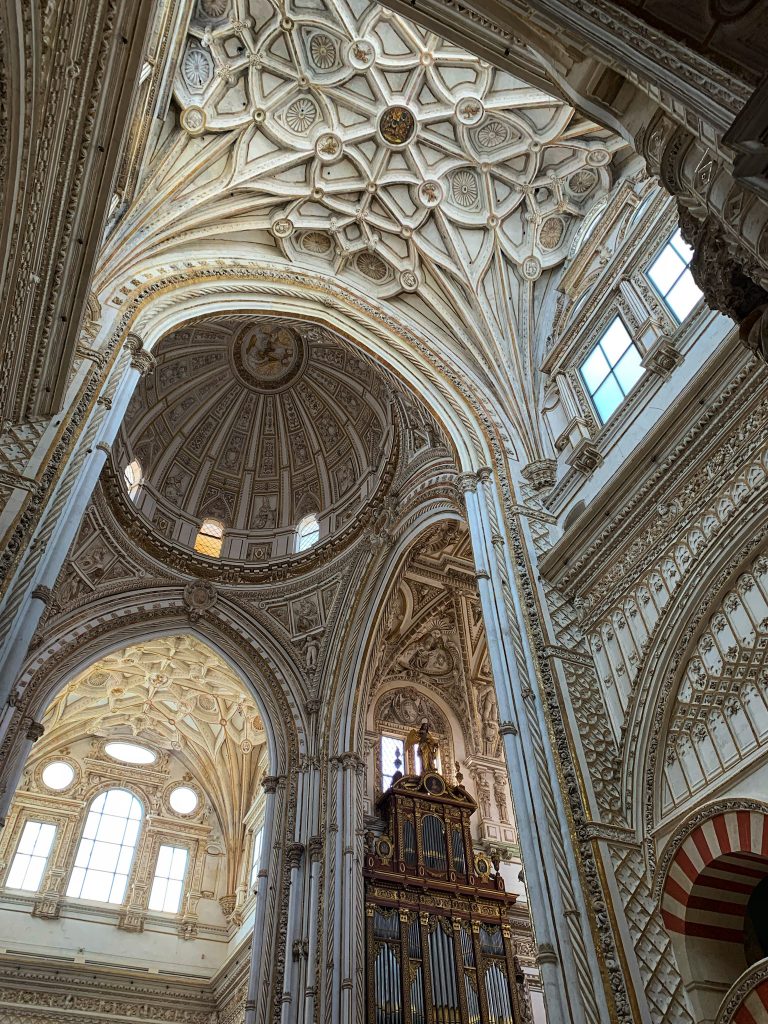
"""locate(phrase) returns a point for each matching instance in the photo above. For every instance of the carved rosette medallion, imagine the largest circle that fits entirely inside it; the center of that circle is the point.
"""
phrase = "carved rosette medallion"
(268, 355)
(397, 126)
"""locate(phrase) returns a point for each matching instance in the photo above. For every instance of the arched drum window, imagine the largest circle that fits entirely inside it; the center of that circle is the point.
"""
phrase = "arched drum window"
(209, 538)
(105, 855)
(133, 477)
(307, 533)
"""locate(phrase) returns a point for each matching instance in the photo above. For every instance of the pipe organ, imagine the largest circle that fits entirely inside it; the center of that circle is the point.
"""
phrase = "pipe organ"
(440, 949)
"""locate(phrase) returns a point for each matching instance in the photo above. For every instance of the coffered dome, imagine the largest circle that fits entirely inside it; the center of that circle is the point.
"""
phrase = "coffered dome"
(256, 422)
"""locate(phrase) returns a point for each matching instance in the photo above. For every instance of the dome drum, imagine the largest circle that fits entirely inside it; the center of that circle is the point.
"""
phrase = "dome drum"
(255, 423)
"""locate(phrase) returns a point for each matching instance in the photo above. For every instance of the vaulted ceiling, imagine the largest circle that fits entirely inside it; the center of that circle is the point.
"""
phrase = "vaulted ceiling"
(335, 136)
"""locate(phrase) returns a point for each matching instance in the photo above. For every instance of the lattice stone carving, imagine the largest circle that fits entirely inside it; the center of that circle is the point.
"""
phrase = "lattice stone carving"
(720, 712)
(663, 985)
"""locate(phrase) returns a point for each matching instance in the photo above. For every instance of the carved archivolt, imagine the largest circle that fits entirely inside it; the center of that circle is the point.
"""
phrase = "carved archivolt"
(718, 718)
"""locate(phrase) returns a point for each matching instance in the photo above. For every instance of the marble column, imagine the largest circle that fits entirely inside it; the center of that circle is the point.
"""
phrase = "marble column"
(256, 973)
(572, 985)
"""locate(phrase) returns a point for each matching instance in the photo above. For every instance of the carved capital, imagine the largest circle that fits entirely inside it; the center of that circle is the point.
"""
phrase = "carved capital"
(140, 359)
(467, 482)
(42, 593)
(723, 271)
(541, 474)
(34, 730)
(293, 854)
(662, 357)
(315, 847)
(269, 783)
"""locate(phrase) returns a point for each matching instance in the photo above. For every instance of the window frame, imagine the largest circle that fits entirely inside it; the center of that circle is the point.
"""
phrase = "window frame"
(87, 867)
(598, 344)
(202, 536)
(133, 486)
(166, 878)
(258, 834)
(302, 532)
(27, 821)
(669, 244)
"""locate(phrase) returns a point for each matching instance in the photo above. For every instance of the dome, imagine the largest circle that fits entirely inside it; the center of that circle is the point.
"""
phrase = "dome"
(256, 422)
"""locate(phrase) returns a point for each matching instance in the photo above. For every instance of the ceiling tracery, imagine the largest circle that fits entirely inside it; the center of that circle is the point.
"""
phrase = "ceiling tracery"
(177, 696)
(343, 138)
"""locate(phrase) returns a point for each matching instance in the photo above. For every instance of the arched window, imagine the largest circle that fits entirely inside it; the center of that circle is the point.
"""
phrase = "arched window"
(133, 476)
(107, 847)
(307, 532)
(210, 538)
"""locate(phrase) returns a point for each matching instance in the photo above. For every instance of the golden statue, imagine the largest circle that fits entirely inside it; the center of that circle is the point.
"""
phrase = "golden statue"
(427, 746)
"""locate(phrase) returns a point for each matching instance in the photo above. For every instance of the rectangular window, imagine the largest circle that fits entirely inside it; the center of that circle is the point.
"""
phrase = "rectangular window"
(391, 759)
(671, 277)
(256, 861)
(611, 369)
(31, 857)
(168, 883)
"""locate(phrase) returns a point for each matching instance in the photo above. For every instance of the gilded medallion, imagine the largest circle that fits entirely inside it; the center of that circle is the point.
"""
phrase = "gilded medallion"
(397, 126)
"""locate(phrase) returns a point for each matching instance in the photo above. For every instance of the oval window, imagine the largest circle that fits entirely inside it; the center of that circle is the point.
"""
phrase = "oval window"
(183, 800)
(58, 775)
(130, 753)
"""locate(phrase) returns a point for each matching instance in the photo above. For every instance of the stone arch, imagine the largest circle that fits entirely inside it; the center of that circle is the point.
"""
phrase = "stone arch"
(709, 870)
(113, 624)
(436, 373)
(672, 643)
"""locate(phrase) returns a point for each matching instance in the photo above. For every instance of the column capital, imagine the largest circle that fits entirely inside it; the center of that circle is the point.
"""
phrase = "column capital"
(34, 730)
(141, 360)
(484, 474)
(293, 854)
(270, 783)
(467, 482)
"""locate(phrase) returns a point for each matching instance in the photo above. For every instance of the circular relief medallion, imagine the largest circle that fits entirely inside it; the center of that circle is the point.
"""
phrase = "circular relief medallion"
(470, 110)
(482, 864)
(268, 355)
(598, 157)
(360, 53)
(397, 126)
(384, 848)
(434, 785)
(193, 120)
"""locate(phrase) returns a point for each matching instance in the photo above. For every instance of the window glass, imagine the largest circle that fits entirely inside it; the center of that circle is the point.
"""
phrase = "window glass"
(391, 759)
(256, 861)
(105, 854)
(672, 278)
(133, 476)
(168, 883)
(210, 538)
(611, 369)
(183, 799)
(307, 533)
(58, 775)
(131, 753)
(31, 857)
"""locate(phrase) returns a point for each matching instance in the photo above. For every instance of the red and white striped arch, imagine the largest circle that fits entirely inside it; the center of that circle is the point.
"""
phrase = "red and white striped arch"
(754, 1008)
(713, 873)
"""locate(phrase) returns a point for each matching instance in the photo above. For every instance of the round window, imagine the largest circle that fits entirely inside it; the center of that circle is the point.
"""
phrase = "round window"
(58, 775)
(130, 753)
(183, 800)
